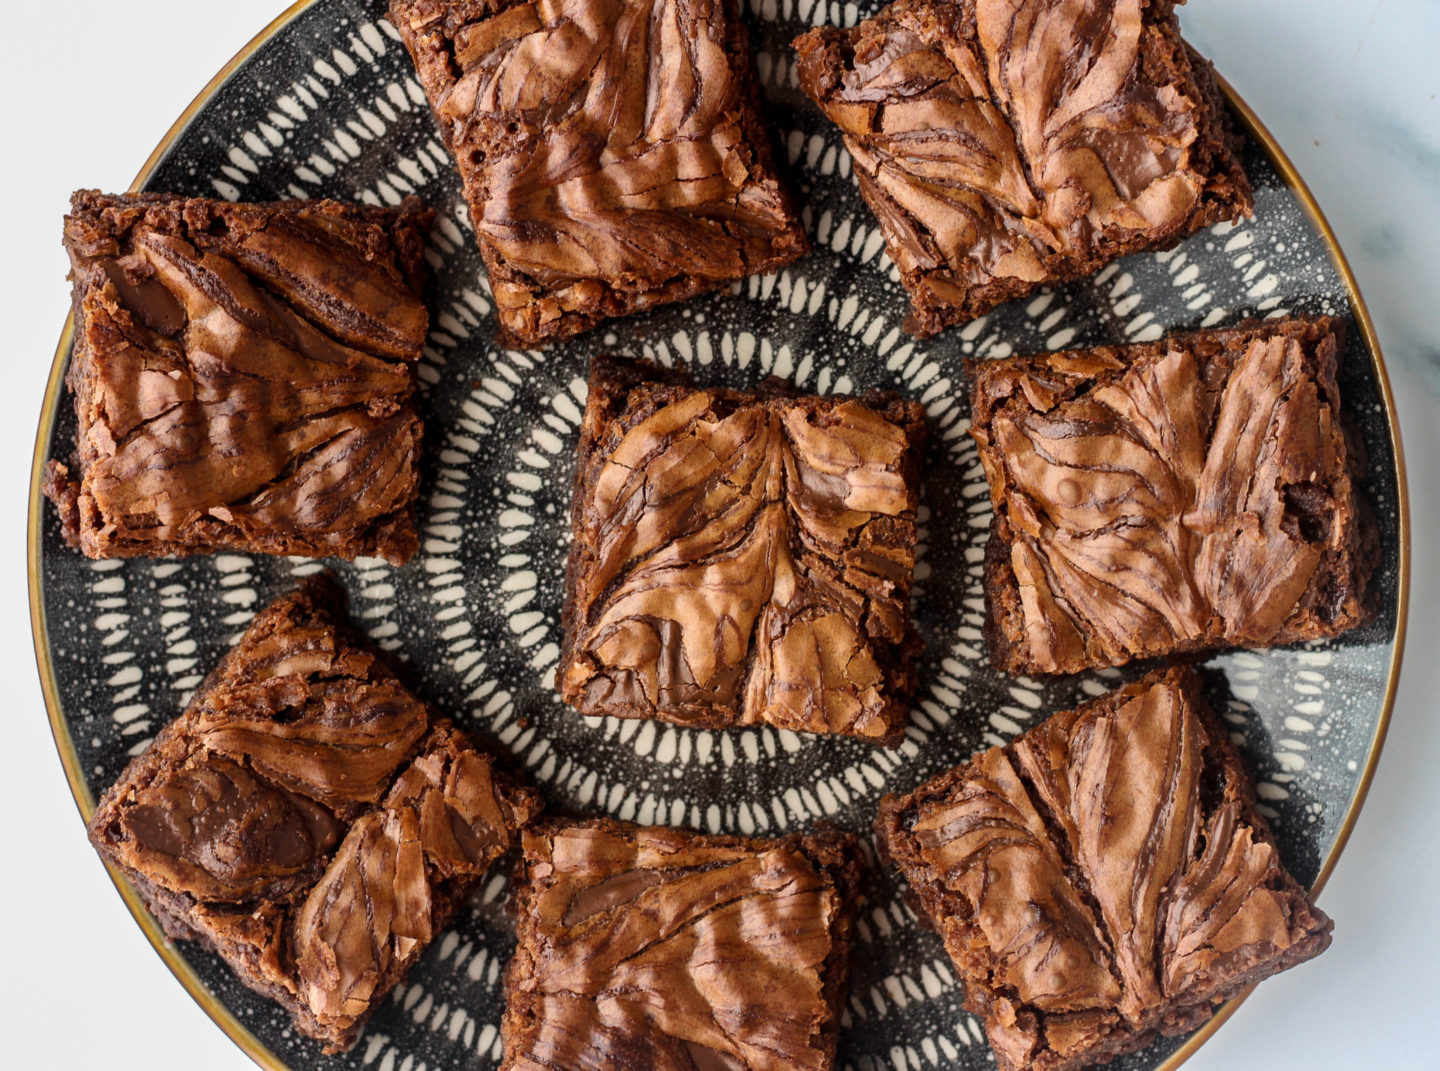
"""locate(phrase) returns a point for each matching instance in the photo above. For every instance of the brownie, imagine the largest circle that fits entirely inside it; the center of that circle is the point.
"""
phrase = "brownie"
(1102, 879)
(611, 152)
(242, 376)
(309, 819)
(1171, 498)
(1006, 145)
(661, 948)
(742, 558)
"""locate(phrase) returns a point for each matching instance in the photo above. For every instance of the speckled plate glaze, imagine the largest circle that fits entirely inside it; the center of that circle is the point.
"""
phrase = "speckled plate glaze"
(325, 103)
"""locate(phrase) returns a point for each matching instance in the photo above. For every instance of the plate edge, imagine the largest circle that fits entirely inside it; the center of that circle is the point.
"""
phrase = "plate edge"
(218, 1012)
(1261, 133)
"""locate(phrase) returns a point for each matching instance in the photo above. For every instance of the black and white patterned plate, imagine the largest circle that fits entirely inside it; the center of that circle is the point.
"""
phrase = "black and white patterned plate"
(327, 105)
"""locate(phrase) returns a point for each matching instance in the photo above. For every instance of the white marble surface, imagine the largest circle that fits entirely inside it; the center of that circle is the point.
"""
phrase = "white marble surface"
(1348, 86)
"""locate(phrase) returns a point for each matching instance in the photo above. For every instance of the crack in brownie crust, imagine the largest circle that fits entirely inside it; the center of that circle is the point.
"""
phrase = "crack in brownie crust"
(1103, 878)
(308, 819)
(643, 947)
(610, 150)
(1172, 497)
(742, 558)
(1004, 144)
(242, 377)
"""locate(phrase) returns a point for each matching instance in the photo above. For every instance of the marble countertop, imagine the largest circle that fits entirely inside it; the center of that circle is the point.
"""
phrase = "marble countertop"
(1349, 88)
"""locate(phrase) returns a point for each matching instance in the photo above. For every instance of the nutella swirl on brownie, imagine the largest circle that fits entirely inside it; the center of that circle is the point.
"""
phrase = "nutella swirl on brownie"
(1170, 497)
(1007, 144)
(645, 947)
(741, 558)
(611, 151)
(309, 819)
(1103, 878)
(243, 376)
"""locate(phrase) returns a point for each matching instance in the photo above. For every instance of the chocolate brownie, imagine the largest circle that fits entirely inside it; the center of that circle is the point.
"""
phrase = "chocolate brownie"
(309, 819)
(643, 947)
(242, 377)
(1171, 498)
(1004, 144)
(611, 152)
(742, 558)
(1103, 879)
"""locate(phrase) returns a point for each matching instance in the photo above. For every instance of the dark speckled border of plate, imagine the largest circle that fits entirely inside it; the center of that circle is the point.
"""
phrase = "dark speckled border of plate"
(324, 103)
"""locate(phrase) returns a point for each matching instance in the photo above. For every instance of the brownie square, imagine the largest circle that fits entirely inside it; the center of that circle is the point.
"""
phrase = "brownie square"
(1006, 145)
(242, 376)
(611, 152)
(1171, 498)
(1102, 879)
(742, 558)
(661, 948)
(309, 819)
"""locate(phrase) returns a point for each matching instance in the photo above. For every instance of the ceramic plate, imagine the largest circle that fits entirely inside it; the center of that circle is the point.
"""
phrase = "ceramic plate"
(325, 103)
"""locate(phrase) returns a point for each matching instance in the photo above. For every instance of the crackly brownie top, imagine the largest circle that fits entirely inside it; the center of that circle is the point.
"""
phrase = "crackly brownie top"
(1103, 872)
(613, 141)
(652, 947)
(1187, 492)
(306, 782)
(743, 557)
(995, 136)
(245, 370)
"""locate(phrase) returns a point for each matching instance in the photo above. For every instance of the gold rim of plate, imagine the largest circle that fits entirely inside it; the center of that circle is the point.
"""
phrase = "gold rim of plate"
(65, 745)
